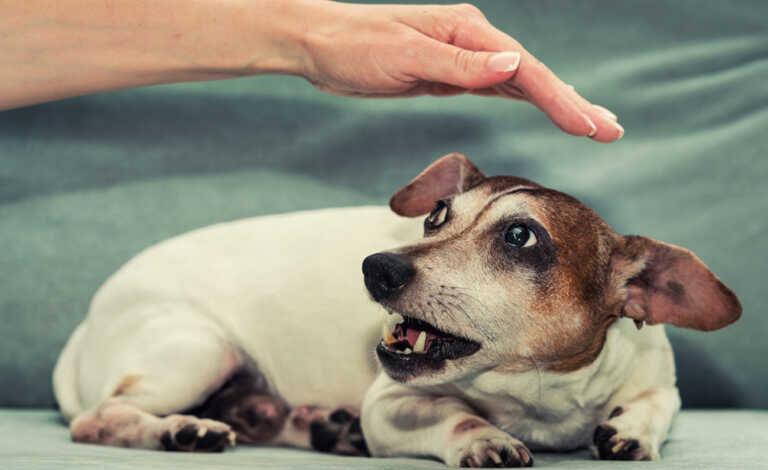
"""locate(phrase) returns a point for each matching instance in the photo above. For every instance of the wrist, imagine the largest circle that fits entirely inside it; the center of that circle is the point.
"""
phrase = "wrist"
(271, 37)
(274, 36)
(240, 38)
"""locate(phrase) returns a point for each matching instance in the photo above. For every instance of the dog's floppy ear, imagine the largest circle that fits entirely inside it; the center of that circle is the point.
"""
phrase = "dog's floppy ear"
(450, 175)
(663, 283)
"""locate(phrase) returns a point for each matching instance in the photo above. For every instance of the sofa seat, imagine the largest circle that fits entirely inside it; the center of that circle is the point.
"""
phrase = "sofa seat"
(33, 439)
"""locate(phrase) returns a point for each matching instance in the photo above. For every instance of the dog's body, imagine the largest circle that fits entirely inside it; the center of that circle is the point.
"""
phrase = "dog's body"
(264, 326)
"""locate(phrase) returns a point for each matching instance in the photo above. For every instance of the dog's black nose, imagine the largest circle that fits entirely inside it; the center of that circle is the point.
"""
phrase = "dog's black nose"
(386, 274)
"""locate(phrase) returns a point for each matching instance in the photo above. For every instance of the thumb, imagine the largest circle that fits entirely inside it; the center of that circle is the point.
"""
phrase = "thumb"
(453, 65)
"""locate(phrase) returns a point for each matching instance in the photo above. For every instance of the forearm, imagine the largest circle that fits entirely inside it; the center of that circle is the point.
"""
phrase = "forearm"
(55, 49)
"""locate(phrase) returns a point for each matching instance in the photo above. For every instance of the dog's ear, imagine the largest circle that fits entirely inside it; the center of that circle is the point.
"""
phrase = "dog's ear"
(662, 283)
(450, 175)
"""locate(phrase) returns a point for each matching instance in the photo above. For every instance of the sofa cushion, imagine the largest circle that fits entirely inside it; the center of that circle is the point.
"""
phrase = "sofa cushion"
(700, 440)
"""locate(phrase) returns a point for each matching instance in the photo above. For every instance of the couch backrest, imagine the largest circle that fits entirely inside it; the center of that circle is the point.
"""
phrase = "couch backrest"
(88, 182)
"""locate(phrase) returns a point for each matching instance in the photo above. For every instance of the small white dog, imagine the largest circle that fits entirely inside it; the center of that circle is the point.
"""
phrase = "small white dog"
(513, 324)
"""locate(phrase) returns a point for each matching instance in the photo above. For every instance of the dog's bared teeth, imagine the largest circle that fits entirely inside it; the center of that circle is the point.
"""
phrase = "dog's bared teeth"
(389, 326)
(386, 334)
(421, 341)
(392, 320)
(405, 351)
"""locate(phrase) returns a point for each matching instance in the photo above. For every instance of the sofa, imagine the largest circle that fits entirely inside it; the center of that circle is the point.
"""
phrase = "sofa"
(86, 183)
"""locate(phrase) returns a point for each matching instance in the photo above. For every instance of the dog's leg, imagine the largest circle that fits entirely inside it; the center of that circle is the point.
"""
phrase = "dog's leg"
(636, 430)
(400, 421)
(118, 422)
(324, 429)
(157, 377)
(257, 417)
(244, 402)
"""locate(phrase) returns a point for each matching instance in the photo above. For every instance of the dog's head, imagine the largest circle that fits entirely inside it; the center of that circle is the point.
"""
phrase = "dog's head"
(514, 275)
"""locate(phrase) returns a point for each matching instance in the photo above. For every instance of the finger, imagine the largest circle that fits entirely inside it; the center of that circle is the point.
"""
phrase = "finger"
(545, 90)
(547, 93)
(443, 90)
(607, 112)
(502, 90)
(443, 63)
(603, 127)
(608, 128)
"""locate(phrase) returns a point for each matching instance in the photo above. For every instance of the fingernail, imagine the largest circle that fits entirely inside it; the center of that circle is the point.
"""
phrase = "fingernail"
(620, 129)
(504, 62)
(593, 127)
(606, 112)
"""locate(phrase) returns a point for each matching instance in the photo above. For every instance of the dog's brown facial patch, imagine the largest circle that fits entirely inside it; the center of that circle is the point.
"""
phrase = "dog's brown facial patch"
(538, 260)
(560, 280)
(499, 184)
(575, 301)
(551, 295)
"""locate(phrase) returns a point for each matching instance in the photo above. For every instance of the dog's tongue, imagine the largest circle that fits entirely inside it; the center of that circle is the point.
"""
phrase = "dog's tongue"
(412, 336)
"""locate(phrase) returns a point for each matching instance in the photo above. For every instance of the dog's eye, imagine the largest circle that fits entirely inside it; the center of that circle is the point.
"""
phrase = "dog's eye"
(437, 217)
(519, 236)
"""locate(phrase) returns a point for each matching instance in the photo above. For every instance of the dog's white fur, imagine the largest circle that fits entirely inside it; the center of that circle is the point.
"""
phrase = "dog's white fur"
(267, 288)
(285, 293)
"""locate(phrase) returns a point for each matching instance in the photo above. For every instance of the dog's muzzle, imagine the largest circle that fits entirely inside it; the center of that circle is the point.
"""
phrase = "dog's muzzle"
(386, 275)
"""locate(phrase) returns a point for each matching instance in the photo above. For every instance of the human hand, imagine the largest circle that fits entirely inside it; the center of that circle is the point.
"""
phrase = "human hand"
(402, 50)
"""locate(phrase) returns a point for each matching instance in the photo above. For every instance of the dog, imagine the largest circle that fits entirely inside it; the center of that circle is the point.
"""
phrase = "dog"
(514, 324)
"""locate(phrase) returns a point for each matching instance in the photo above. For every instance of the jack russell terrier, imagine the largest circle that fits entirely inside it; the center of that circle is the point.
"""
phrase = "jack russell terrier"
(514, 324)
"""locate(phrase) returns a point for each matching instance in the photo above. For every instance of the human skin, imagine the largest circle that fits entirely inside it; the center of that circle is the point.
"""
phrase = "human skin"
(54, 49)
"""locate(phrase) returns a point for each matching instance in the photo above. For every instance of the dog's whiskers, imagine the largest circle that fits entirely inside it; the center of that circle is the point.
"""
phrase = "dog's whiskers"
(450, 307)
(482, 329)
(459, 303)
(431, 315)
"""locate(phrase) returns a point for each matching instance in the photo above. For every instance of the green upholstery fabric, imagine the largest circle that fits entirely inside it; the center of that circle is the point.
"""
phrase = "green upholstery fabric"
(88, 182)
(704, 440)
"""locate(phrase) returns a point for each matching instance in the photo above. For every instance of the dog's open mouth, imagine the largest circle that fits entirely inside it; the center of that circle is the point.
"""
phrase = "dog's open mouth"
(410, 343)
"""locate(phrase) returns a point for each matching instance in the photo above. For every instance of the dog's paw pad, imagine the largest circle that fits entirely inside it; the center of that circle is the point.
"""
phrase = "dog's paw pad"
(193, 435)
(496, 452)
(338, 432)
(355, 437)
(184, 436)
(609, 444)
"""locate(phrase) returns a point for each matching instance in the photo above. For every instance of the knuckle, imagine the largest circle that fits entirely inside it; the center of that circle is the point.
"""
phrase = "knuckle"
(463, 60)
(410, 43)
(469, 9)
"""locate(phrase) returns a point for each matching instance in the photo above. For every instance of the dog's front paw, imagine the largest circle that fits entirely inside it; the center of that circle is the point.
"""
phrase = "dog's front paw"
(324, 429)
(339, 432)
(187, 433)
(615, 440)
(489, 447)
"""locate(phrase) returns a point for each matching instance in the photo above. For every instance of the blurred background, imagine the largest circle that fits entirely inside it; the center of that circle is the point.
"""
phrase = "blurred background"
(86, 183)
